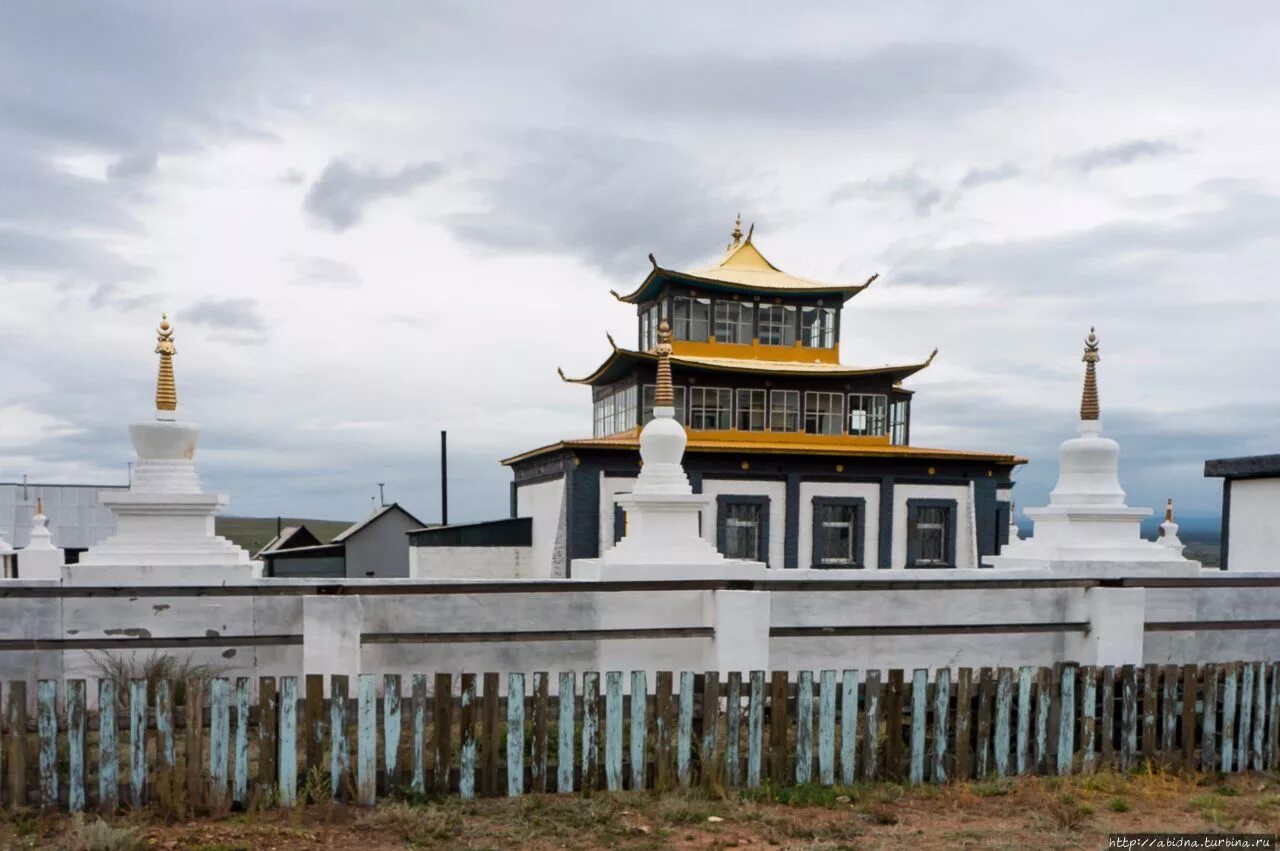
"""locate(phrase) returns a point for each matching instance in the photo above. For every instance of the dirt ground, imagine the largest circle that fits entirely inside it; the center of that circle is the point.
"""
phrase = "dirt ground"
(1025, 813)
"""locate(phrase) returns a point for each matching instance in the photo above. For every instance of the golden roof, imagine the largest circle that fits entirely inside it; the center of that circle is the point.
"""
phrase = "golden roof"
(630, 441)
(743, 267)
(756, 365)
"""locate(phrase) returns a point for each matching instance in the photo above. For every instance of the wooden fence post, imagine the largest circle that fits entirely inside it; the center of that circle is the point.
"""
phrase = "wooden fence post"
(541, 721)
(567, 697)
(684, 731)
(1067, 720)
(919, 709)
(985, 699)
(47, 735)
(733, 730)
(442, 729)
(778, 693)
(287, 760)
(315, 723)
(137, 743)
(848, 727)
(490, 710)
(1208, 719)
(827, 728)
(941, 708)
(17, 756)
(515, 734)
(240, 782)
(639, 728)
(591, 731)
(804, 727)
(1004, 709)
(339, 745)
(391, 732)
(194, 738)
(871, 739)
(893, 726)
(418, 720)
(366, 739)
(467, 737)
(76, 735)
(268, 735)
(1089, 723)
(755, 730)
(710, 724)
(1023, 764)
(964, 706)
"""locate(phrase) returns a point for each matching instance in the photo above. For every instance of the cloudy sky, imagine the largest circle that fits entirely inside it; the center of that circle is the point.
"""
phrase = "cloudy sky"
(373, 221)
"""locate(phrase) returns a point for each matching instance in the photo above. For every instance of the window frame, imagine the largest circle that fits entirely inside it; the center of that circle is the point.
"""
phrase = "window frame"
(728, 422)
(899, 429)
(799, 412)
(736, 322)
(763, 409)
(723, 501)
(789, 328)
(914, 506)
(685, 333)
(651, 391)
(883, 416)
(826, 327)
(838, 416)
(859, 505)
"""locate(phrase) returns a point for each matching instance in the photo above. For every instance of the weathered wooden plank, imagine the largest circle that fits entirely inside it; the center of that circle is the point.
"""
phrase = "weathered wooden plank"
(848, 727)
(639, 727)
(268, 726)
(1209, 720)
(1190, 691)
(804, 727)
(710, 725)
(613, 701)
(1256, 750)
(733, 730)
(778, 693)
(17, 751)
(1044, 708)
(1067, 719)
(964, 721)
(418, 722)
(1273, 719)
(871, 731)
(1244, 728)
(288, 742)
(986, 697)
(1128, 718)
(366, 739)
(1023, 762)
(316, 722)
(515, 734)
(919, 711)
(941, 709)
(76, 730)
(684, 732)
(591, 731)
(1229, 687)
(1004, 711)
(137, 743)
(755, 729)
(391, 730)
(1108, 716)
(1169, 714)
(467, 737)
(108, 752)
(1089, 719)
(567, 698)
(442, 733)
(240, 779)
(490, 708)
(827, 728)
(893, 726)
(664, 732)
(541, 712)
(47, 737)
(193, 751)
(1150, 697)
(219, 741)
(339, 744)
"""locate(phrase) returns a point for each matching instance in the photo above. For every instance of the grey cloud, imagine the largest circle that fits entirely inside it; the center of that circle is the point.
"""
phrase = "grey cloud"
(1121, 154)
(340, 195)
(607, 199)
(292, 176)
(991, 174)
(231, 314)
(922, 194)
(68, 260)
(140, 164)
(933, 80)
(325, 272)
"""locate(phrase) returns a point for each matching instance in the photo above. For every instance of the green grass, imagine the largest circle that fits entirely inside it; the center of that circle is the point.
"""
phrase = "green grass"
(253, 533)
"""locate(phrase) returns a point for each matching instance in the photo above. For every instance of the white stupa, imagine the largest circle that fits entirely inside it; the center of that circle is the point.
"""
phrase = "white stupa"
(40, 559)
(661, 539)
(1087, 527)
(164, 519)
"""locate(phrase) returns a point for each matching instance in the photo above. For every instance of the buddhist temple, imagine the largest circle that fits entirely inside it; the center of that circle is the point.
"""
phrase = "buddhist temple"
(806, 461)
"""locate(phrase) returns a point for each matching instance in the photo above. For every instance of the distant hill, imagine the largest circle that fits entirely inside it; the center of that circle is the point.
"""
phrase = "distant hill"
(253, 533)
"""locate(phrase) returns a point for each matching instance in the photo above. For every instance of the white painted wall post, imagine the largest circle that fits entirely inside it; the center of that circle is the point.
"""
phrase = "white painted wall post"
(1116, 618)
(741, 621)
(331, 634)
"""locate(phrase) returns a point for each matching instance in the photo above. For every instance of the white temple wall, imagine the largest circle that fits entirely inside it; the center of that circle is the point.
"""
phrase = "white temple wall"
(777, 493)
(544, 502)
(870, 491)
(1255, 525)
(966, 540)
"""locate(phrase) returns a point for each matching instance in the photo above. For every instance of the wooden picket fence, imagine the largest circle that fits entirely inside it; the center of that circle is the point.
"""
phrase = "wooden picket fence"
(837, 727)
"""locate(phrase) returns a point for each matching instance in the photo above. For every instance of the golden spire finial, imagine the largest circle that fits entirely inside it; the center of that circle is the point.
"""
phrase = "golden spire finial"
(664, 395)
(39, 505)
(737, 233)
(1089, 408)
(166, 390)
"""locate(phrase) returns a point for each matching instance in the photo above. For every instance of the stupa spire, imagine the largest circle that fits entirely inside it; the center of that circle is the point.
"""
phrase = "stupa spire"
(664, 396)
(166, 390)
(736, 236)
(1089, 409)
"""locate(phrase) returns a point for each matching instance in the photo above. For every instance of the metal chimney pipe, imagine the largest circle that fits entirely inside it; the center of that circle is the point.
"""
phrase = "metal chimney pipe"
(444, 478)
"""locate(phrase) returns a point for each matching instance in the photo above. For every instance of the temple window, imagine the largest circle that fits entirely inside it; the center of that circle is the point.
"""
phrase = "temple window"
(823, 413)
(931, 533)
(777, 325)
(898, 423)
(751, 413)
(691, 319)
(742, 526)
(615, 412)
(710, 408)
(784, 410)
(649, 321)
(838, 532)
(867, 413)
(818, 327)
(646, 412)
(734, 322)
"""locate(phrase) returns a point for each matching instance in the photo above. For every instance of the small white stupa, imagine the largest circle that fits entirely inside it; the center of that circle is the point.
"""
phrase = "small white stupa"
(40, 559)
(661, 539)
(164, 519)
(1087, 527)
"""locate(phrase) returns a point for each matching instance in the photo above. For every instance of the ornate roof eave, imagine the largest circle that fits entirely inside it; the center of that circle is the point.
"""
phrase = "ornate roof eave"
(845, 291)
(900, 372)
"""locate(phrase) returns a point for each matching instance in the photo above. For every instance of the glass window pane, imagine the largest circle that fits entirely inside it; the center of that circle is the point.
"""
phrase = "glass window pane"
(742, 528)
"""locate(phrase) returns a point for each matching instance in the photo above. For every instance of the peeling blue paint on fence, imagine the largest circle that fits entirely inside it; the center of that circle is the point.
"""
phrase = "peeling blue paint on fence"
(1088, 711)
(827, 728)
(366, 739)
(467, 742)
(1004, 708)
(166, 758)
(287, 742)
(339, 749)
(515, 734)
(76, 729)
(240, 785)
(1259, 716)
(137, 742)
(919, 709)
(391, 701)
(418, 756)
(871, 740)
(219, 733)
(1067, 719)
(755, 729)
(108, 756)
(639, 727)
(1023, 760)
(564, 753)
(733, 729)
(590, 729)
(47, 734)
(613, 731)
(849, 727)
(1244, 728)
(684, 731)
(804, 727)
(1228, 717)
(1042, 726)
